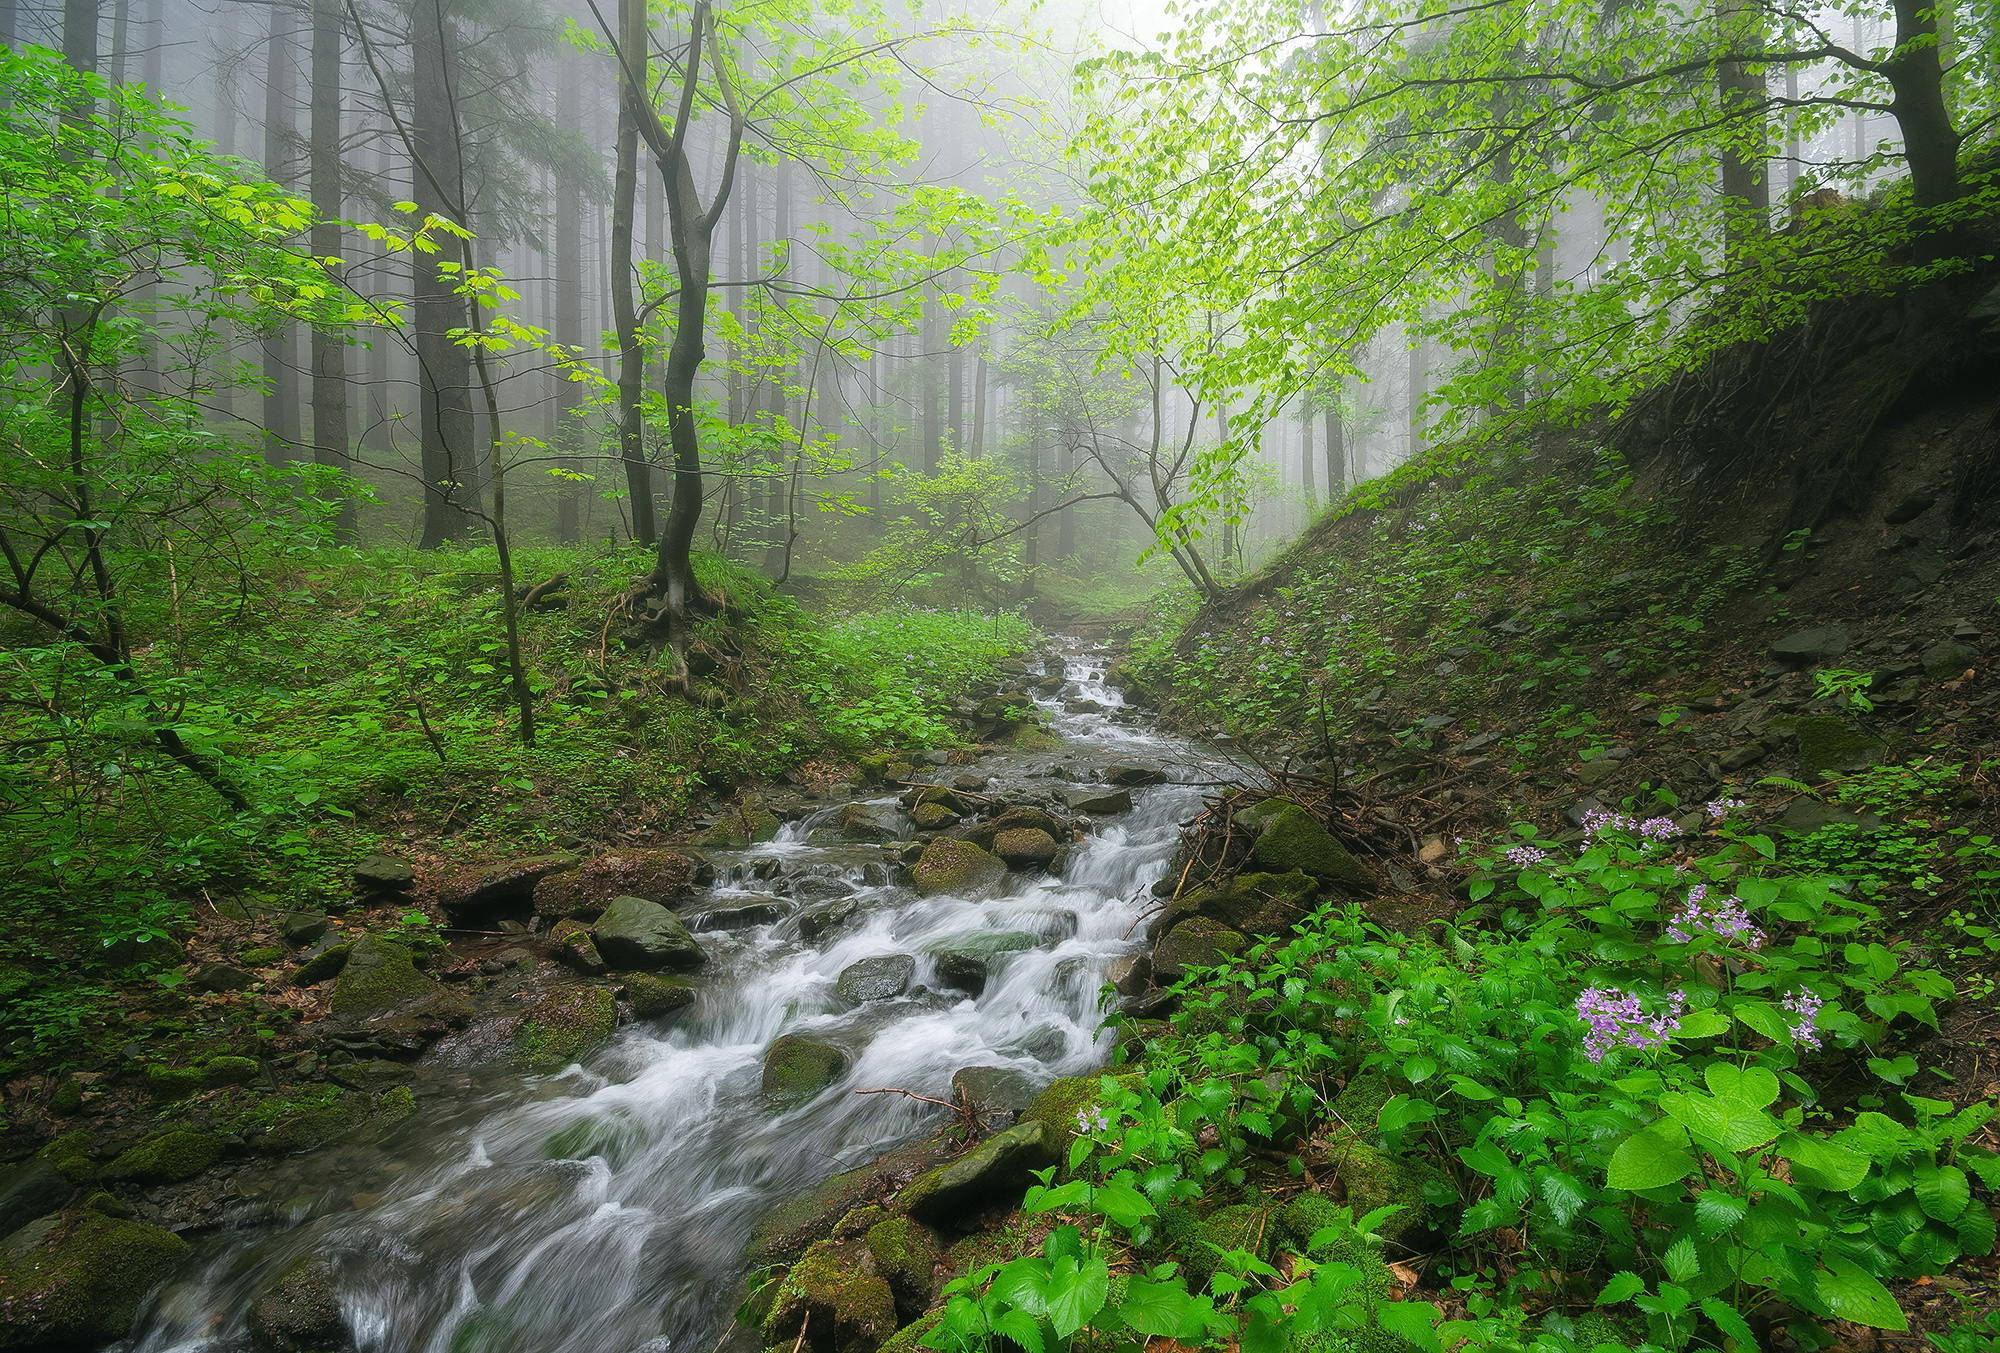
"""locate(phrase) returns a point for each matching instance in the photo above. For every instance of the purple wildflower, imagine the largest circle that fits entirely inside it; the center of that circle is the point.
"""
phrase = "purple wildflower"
(1092, 1119)
(1719, 809)
(1804, 1007)
(1598, 821)
(1726, 920)
(1658, 829)
(1523, 856)
(1617, 1020)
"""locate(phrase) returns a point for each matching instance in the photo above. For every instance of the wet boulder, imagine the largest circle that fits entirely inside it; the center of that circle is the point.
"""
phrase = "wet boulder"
(825, 919)
(905, 1257)
(1288, 838)
(997, 1171)
(502, 890)
(1130, 974)
(1015, 818)
(297, 1311)
(788, 1229)
(1132, 774)
(1253, 904)
(867, 822)
(881, 978)
(585, 891)
(27, 1191)
(78, 1279)
(565, 1024)
(797, 1067)
(653, 996)
(384, 874)
(636, 933)
(831, 1302)
(991, 1088)
(950, 866)
(1100, 801)
(747, 914)
(960, 972)
(379, 975)
(1026, 848)
(747, 824)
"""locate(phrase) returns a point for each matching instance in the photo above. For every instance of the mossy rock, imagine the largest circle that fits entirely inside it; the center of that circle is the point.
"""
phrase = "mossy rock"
(167, 1084)
(910, 1338)
(906, 1258)
(951, 866)
(217, 1072)
(1261, 905)
(1195, 943)
(284, 1125)
(1828, 742)
(1066, 1097)
(298, 1312)
(839, 1307)
(1029, 738)
(397, 1103)
(750, 824)
(794, 1224)
(74, 1154)
(653, 996)
(1371, 1177)
(166, 1158)
(930, 817)
(565, 1024)
(321, 966)
(859, 1222)
(1292, 838)
(1597, 1329)
(797, 1067)
(1241, 1226)
(998, 1170)
(379, 975)
(79, 1278)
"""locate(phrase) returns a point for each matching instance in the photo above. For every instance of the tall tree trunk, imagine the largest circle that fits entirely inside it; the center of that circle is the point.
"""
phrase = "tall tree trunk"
(1306, 460)
(693, 231)
(156, 43)
(444, 369)
(1337, 478)
(329, 346)
(121, 38)
(954, 379)
(632, 86)
(933, 427)
(781, 376)
(281, 366)
(979, 407)
(1419, 377)
(1066, 518)
(569, 309)
(1746, 189)
(1930, 141)
(1228, 512)
(79, 35)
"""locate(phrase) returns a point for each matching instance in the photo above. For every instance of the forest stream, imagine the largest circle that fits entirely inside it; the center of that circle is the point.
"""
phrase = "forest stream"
(606, 1207)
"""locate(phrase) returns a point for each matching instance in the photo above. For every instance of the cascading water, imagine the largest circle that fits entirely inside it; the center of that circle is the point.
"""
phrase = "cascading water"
(606, 1207)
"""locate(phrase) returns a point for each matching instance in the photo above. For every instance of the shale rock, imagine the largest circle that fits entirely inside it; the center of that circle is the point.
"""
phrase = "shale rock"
(881, 978)
(378, 976)
(1026, 848)
(1100, 801)
(504, 889)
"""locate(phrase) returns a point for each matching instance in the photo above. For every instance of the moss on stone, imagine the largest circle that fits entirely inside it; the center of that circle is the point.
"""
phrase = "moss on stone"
(168, 1083)
(285, 1124)
(797, 1067)
(565, 1024)
(79, 1278)
(217, 1072)
(748, 825)
(653, 996)
(1294, 839)
(906, 1258)
(321, 966)
(839, 1307)
(378, 976)
(1059, 1105)
(1372, 1178)
(397, 1103)
(258, 958)
(1305, 1216)
(1241, 1226)
(910, 1338)
(1828, 742)
(298, 1312)
(74, 1156)
(858, 1222)
(952, 866)
(1253, 904)
(166, 1158)
(1029, 738)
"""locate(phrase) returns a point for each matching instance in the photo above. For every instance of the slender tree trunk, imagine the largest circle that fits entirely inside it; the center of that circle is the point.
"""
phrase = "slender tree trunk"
(281, 368)
(121, 38)
(1032, 550)
(444, 369)
(979, 408)
(156, 42)
(1228, 513)
(329, 346)
(79, 35)
(1419, 377)
(954, 378)
(1306, 460)
(1337, 477)
(1930, 141)
(632, 86)
(569, 310)
(1066, 518)
(933, 427)
(1746, 188)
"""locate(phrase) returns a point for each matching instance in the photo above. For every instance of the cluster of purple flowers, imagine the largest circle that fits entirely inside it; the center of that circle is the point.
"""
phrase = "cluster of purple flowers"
(1523, 856)
(1656, 830)
(1092, 1119)
(1726, 920)
(1719, 809)
(1803, 1006)
(1617, 1020)
(1600, 820)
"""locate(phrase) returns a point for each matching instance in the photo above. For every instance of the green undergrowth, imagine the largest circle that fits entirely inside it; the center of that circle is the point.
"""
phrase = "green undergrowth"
(360, 696)
(1468, 580)
(1647, 1092)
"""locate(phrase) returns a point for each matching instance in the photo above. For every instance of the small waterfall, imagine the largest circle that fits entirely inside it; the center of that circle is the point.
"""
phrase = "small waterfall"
(605, 1207)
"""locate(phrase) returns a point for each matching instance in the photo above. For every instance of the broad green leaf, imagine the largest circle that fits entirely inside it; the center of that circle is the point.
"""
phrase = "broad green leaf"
(1681, 1261)
(1703, 1024)
(1563, 1194)
(1419, 1069)
(1622, 1287)
(1975, 1231)
(1716, 1211)
(1848, 1291)
(1470, 1089)
(1076, 1293)
(1161, 1308)
(1766, 1019)
(1650, 1158)
(1022, 1328)
(1753, 1085)
(1942, 1190)
(1415, 1322)
(1728, 1320)
(1822, 1164)
(1123, 1204)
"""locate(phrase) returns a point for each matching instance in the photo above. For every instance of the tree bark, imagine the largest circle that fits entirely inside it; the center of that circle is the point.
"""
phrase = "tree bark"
(281, 369)
(1306, 460)
(79, 35)
(632, 86)
(329, 346)
(1746, 188)
(933, 428)
(1930, 142)
(569, 308)
(1336, 449)
(444, 372)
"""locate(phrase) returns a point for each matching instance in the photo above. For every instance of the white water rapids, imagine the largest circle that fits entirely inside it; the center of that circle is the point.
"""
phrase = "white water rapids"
(605, 1208)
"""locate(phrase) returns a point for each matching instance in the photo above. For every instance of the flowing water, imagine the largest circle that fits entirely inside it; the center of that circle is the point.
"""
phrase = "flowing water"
(605, 1208)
